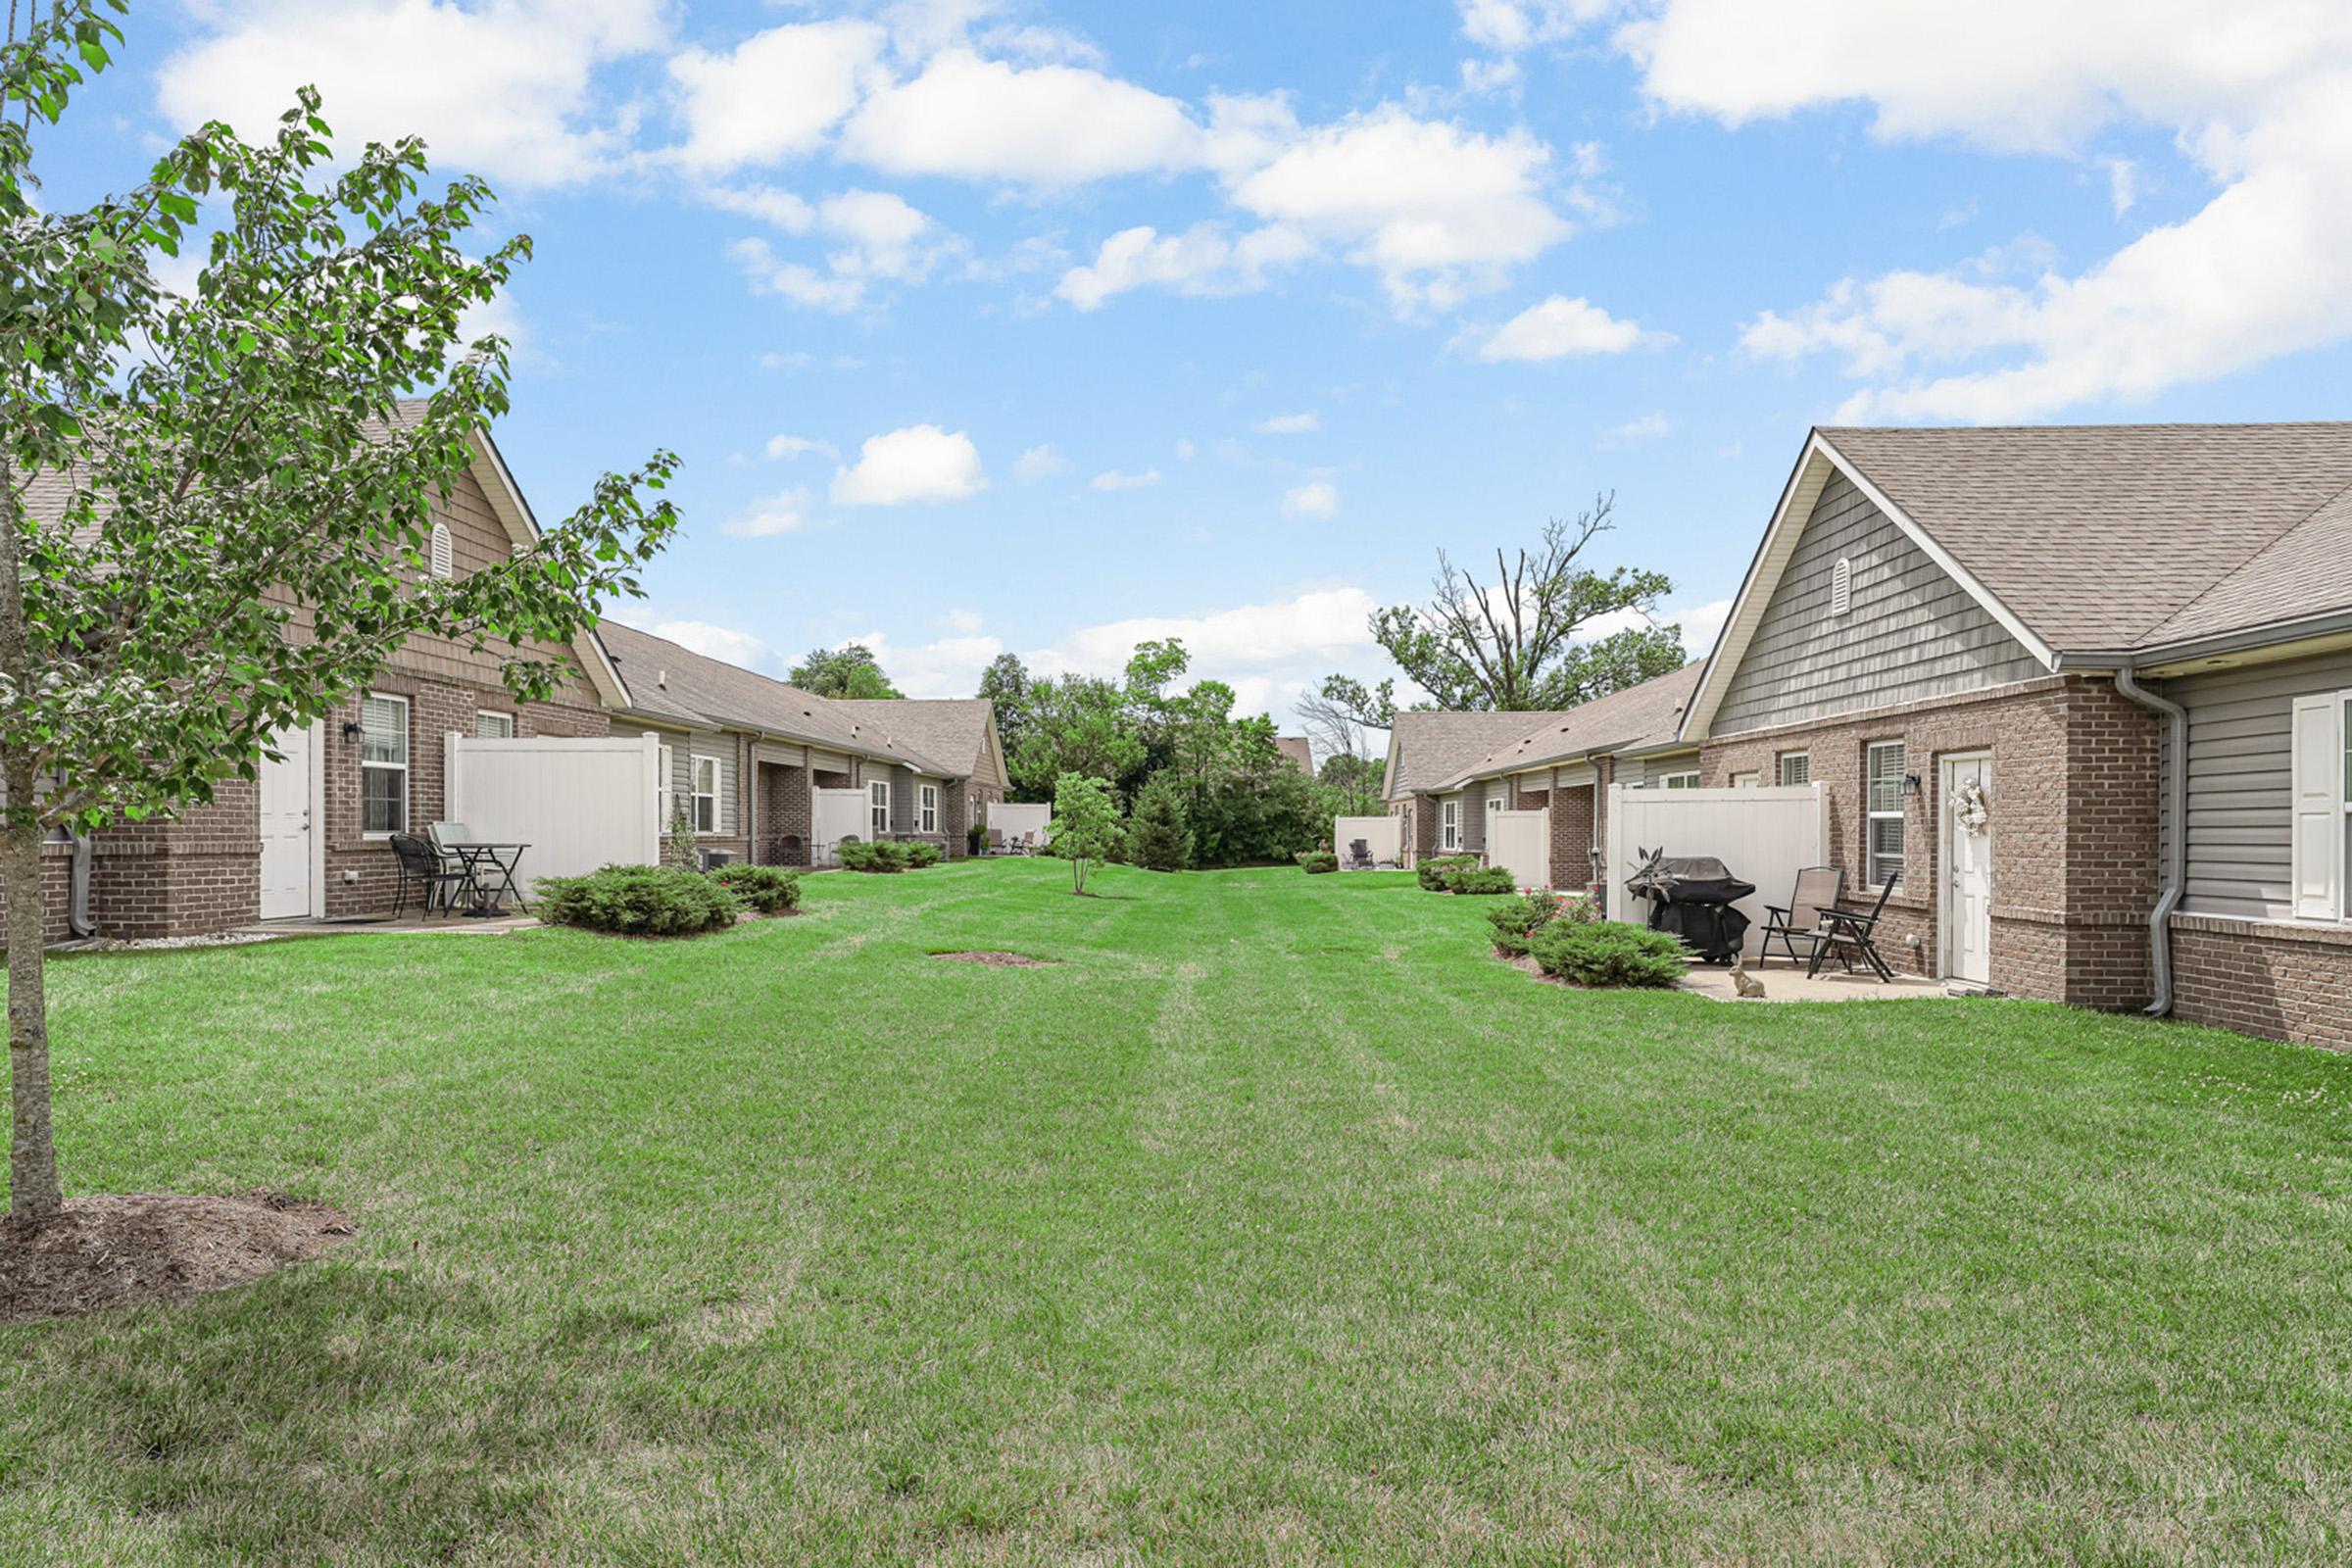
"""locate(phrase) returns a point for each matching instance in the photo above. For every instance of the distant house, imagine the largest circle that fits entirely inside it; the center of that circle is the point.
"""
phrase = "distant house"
(744, 754)
(1301, 753)
(1427, 755)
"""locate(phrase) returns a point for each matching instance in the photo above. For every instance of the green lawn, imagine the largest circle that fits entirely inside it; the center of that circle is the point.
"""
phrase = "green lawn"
(1276, 1223)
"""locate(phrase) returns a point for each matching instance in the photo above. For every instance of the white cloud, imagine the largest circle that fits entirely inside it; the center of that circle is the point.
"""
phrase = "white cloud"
(787, 513)
(775, 95)
(2258, 96)
(1288, 424)
(881, 238)
(1318, 498)
(1047, 125)
(1558, 328)
(1266, 651)
(1647, 427)
(1204, 260)
(1438, 211)
(1701, 623)
(785, 448)
(1040, 462)
(1510, 26)
(965, 621)
(508, 90)
(921, 463)
(947, 668)
(1113, 479)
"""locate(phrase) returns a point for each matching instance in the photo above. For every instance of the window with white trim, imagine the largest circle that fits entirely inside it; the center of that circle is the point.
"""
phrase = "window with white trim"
(383, 765)
(1449, 825)
(1678, 781)
(493, 726)
(926, 802)
(877, 802)
(705, 794)
(1746, 781)
(1882, 787)
(1797, 768)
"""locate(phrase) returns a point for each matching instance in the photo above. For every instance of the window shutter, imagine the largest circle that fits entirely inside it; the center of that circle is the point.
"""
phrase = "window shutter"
(2317, 811)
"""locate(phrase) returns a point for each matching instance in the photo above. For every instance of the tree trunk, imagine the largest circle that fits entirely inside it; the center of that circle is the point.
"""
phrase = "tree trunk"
(32, 1190)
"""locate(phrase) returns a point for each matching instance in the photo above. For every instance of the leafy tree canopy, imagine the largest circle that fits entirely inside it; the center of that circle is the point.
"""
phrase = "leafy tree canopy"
(1084, 829)
(848, 671)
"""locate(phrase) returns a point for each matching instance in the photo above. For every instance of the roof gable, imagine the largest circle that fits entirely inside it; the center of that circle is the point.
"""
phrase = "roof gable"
(1428, 748)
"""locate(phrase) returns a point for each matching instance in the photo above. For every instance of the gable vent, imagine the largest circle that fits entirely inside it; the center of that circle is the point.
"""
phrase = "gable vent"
(441, 562)
(1842, 586)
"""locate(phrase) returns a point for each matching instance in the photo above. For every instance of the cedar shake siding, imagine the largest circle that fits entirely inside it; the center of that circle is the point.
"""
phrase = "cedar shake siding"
(1909, 632)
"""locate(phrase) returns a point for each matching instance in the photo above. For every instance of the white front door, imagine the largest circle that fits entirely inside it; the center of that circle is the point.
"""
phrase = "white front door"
(1966, 913)
(285, 811)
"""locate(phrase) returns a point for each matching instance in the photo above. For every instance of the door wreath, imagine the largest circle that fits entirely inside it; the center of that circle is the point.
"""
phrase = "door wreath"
(1970, 808)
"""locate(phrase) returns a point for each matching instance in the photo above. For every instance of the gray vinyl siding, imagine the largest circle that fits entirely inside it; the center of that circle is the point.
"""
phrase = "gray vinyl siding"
(683, 749)
(1641, 773)
(1911, 632)
(902, 800)
(2239, 808)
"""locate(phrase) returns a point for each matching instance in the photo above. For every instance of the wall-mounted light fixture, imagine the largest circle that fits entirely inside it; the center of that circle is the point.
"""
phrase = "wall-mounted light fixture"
(351, 727)
(1912, 789)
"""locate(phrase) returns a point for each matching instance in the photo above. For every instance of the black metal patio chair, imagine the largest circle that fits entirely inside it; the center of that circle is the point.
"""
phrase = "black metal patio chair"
(1850, 936)
(1817, 889)
(435, 877)
(1359, 854)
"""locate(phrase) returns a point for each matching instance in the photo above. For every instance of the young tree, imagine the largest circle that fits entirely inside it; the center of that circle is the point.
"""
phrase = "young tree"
(215, 511)
(1084, 829)
(850, 670)
(1515, 643)
(1157, 839)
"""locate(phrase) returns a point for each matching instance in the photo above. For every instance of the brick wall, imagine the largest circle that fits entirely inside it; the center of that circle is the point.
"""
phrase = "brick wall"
(1572, 837)
(784, 814)
(2265, 977)
(1418, 832)
(2073, 823)
(964, 804)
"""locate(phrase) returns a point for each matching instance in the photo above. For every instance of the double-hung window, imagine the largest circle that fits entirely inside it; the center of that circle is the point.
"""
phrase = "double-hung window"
(1678, 781)
(877, 802)
(926, 800)
(491, 726)
(1797, 768)
(1449, 825)
(705, 795)
(383, 765)
(1882, 787)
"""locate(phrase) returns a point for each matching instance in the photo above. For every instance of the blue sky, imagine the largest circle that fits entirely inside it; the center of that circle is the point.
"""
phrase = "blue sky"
(1045, 327)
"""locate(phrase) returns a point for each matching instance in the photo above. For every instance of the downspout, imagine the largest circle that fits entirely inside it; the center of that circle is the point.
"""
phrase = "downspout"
(2175, 857)
(78, 892)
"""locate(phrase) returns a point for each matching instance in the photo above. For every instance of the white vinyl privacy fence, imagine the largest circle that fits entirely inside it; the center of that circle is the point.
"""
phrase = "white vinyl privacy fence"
(1017, 819)
(834, 816)
(579, 802)
(1521, 842)
(1764, 836)
(1381, 838)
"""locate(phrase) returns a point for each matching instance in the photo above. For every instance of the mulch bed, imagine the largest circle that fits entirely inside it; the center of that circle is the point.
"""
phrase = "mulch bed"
(997, 961)
(121, 1250)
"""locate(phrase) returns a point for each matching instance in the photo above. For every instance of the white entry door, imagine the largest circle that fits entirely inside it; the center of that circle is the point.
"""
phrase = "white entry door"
(1967, 912)
(285, 790)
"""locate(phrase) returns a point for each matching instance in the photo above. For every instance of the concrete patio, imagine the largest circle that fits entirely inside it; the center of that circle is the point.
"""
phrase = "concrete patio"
(1787, 982)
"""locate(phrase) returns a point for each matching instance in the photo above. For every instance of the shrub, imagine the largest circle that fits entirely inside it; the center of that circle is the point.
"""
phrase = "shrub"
(1607, 952)
(880, 856)
(1316, 862)
(1481, 879)
(642, 900)
(768, 889)
(923, 853)
(1431, 872)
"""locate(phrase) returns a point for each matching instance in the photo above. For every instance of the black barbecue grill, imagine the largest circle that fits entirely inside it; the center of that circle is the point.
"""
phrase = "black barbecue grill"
(1691, 896)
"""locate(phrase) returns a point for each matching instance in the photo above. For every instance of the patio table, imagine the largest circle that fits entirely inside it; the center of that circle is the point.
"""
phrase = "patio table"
(490, 872)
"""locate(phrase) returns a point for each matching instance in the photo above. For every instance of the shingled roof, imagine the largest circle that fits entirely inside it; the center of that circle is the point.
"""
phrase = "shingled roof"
(955, 730)
(670, 680)
(1649, 711)
(1426, 749)
(2119, 537)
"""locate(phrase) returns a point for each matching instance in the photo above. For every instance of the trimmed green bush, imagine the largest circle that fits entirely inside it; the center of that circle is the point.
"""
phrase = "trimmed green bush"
(1515, 920)
(880, 856)
(639, 901)
(1316, 862)
(1481, 879)
(1607, 952)
(1431, 872)
(768, 889)
(923, 853)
